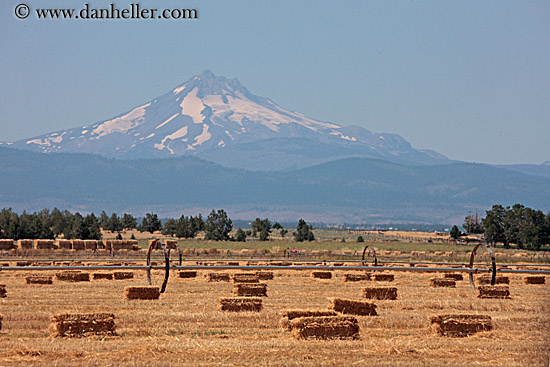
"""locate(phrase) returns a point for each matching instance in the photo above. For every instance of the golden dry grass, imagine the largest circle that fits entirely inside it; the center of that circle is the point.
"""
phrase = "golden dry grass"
(185, 328)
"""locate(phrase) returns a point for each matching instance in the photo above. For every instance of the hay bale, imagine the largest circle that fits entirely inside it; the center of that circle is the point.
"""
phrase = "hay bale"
(534, 279)
(76, 325)
(187, 274)
(454, 276)
(24, 244)
(442, 282)
(351, 307)
(141, 292)
(121, 275)
(460, 325)
(383, 277)
(325, 327)
(77, 245)
(245, 278)
(264, 275)
(321, 274)
(352, 277)
(240, 304)
(44, 244)
(64, 244)
(499, 279)
(36, 279)
(98, 276)
(217, 277)
(250, 289)
(495, 291)
(90, 244)
(380, 293)
(72, 276)
(1, 318)
(3, 291)
(289, 315)
(7, 244)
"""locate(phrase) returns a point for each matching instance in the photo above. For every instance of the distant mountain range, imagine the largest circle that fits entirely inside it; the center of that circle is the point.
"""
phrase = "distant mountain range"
(218, 119)
(210, 143)
(352, 190)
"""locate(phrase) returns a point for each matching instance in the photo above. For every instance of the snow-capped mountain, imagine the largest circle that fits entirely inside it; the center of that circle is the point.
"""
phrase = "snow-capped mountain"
(220, 120)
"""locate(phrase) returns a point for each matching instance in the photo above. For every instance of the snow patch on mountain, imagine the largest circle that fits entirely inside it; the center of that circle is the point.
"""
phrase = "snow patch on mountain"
(176, 135)
(167, 121)
(204, 136)
(124, 123)
(192, 106)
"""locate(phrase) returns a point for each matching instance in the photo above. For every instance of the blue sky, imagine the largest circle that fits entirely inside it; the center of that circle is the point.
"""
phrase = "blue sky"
(469, 79)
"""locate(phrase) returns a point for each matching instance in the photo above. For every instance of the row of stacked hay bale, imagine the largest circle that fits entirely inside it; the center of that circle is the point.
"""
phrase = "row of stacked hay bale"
(77, 245)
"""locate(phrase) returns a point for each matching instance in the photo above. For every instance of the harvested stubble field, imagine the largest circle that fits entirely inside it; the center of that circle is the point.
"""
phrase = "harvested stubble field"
(185, 327)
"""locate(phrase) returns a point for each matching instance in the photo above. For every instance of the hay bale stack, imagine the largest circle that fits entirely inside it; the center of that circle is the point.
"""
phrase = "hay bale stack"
(351, 307)
(64, 244)
(90, 244)
(108, 245)
(380, 293)
(442, 282)
(321, 274)
(265, 275)
(4, 264)
(187, 274)
(23, 263)
(486, 279)
(325, 327)
(240, 304)
(72, 276)
(7, 244)
(454, 276)
(495, 291)
(76, 325)
(1, 318)
(250, 289)
(351, 277)
(3, 291)
(77, 245)
(98, 276)
(36, 279)
(141, 292)
(460, 325)
(44, 245)
(233, 263)
(534, 279)
(383, 277)
(289, 315)
(117, 245)
(121, 275)
(245, 278)
(24, 244)
(217, 277)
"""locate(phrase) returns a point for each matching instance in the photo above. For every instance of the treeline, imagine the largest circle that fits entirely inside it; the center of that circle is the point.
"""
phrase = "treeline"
(527, 228)
(48, 224)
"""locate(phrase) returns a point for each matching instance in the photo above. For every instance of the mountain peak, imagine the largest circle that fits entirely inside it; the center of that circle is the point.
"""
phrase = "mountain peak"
(207, 83)
(213, 116)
